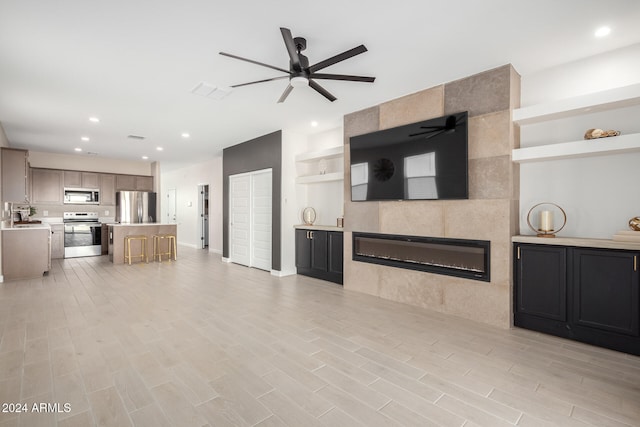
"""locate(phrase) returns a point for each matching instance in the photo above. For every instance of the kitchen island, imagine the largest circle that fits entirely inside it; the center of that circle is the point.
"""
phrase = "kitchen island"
(26, 251)
(117, 233)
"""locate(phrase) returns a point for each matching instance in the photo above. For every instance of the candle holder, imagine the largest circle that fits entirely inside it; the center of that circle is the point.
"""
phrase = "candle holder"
(545, 224)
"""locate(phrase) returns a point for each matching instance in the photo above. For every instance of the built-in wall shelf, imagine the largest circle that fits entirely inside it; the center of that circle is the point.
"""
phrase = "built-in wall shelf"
(327, 177)
(621, 97)
(314, 156)
(323, 165)
(575, 149)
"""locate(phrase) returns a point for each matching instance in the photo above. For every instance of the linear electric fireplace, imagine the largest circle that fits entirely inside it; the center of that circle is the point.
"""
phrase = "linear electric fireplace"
(453, 257)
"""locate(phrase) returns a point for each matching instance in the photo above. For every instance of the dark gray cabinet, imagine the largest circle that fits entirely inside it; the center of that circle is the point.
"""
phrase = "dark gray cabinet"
(319, 254)
(586, 294)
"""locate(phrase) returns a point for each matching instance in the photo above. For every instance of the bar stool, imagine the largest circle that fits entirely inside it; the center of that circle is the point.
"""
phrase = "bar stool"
(171, 246)
(143, 248)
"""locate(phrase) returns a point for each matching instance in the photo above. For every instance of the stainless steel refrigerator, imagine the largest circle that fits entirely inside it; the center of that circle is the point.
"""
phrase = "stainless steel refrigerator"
(134, 207)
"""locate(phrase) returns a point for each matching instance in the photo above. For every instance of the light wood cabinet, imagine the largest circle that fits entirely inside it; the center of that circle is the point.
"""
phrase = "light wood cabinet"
(15, 175)
(25, 253)
(144, 183)
(46, 186)
(125, 182)
(107, 189)
(77, 179)
(57, 241)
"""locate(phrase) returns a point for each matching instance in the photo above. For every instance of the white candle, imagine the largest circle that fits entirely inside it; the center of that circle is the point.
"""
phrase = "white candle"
(546, 221)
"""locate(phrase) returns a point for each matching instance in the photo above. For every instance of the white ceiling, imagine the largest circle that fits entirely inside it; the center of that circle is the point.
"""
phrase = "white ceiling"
(133, 63)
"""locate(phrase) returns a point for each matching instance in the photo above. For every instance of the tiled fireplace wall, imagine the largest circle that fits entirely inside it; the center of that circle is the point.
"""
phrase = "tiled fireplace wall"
(490, 213)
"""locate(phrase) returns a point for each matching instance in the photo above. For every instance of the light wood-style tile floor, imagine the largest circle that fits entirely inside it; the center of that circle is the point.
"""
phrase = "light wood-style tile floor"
(198, 342)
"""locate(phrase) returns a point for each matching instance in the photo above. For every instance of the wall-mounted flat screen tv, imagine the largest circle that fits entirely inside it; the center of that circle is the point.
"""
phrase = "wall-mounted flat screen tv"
(422, 161)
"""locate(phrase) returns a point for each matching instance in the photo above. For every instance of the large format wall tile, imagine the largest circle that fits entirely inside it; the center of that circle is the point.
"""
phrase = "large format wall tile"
(421, 218)
(489, 303)
(490, 178)
(412, 287)
(361, 122)
(361, 216)
(490, 135)
(412, 108)
(483, 93)
(478, 219)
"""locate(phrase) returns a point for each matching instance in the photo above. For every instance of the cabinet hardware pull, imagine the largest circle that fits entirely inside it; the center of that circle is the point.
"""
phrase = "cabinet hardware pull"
(518, 252)
(311, 235)
(635, 263)
(307, 234)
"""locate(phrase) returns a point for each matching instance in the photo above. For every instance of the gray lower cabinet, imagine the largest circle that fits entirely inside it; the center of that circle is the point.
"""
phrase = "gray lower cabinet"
(25, 253)
(319, 254)
(57, 241)
(586, 294)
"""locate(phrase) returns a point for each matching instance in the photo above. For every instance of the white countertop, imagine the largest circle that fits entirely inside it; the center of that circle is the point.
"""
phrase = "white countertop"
(319, 227)
(43, 226)
(576, 241)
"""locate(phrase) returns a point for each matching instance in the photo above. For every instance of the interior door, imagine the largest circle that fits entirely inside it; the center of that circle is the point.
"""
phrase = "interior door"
(171, 207)
(261, 220)
(240, 219)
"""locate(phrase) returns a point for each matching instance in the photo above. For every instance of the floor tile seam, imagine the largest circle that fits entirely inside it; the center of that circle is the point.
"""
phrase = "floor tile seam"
(493, 415)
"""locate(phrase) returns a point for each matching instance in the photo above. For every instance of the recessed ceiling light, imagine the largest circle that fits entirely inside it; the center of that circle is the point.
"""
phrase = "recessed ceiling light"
(84, 138)
(94, 119)
(78, 149)
(185, 135)
(602, 32)
(159, 148)
(145, 157)
(314, 123)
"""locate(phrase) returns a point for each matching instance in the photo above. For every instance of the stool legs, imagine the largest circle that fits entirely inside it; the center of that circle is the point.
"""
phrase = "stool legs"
(171, 247)
(143, 248)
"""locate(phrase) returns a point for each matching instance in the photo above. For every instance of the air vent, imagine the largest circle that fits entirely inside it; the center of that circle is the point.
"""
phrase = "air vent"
(92, 153)
(210, 91)
(138, 137)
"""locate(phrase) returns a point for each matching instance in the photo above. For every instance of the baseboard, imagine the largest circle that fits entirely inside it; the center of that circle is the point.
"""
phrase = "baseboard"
(226, 259)
(189, 245)
(1, 278)
(282, 273)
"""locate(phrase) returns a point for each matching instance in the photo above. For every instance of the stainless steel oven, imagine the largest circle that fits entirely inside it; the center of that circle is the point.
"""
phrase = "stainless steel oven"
(82, 234)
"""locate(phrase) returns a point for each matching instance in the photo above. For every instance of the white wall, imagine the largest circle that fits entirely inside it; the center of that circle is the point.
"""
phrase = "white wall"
(185, 181)
(599, 194)
(4, 142)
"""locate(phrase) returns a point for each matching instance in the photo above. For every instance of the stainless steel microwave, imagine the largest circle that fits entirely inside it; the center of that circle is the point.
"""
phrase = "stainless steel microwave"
(81, 196)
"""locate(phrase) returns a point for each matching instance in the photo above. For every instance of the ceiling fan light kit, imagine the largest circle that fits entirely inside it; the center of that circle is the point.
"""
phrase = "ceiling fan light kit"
(300, 73)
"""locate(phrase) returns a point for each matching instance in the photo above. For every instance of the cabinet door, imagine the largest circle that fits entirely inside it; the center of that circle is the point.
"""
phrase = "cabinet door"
(541, 281)
(46, 186)
(303, 249)
(335, 252)
(319, 250)
(125, 182)
(144, 183)
(90, 180)
(72, 179)
(14, 175)
(605, 294)
(57, 241)
(107, 189)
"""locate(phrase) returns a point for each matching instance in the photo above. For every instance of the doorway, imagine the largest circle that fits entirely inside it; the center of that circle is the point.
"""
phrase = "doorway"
(250, 213)
(203, 215)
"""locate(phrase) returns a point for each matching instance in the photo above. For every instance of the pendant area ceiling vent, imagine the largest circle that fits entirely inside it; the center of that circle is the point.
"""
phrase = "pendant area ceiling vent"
(136, 137)
(210, 91)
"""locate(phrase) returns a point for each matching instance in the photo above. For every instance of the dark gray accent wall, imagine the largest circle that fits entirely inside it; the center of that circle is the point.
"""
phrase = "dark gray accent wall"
(260, 153)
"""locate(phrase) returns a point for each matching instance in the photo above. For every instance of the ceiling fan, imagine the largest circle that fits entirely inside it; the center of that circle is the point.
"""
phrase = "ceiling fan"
(300, 73)
(450, 124)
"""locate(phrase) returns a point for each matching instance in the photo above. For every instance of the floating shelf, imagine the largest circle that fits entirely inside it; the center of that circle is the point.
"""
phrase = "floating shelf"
(329, 153)
(575, 149)
(621, 97)
(327, 177)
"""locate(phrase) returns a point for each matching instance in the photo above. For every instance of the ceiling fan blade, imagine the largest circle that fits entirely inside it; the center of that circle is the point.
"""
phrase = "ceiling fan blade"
(261, 81)
(255, 62)
(338, 58)
(291, 48)
(342, 77)
(286, 93)
(322, 91)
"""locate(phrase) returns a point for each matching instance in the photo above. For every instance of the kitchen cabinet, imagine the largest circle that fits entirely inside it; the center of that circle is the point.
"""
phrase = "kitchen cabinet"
(25, 252)
(57, 241)
(125, 182)
(47, 186)
(107, 189)
(319, 254)
(581, 293)
(15, 175)
(144, 183)
(77, 179)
